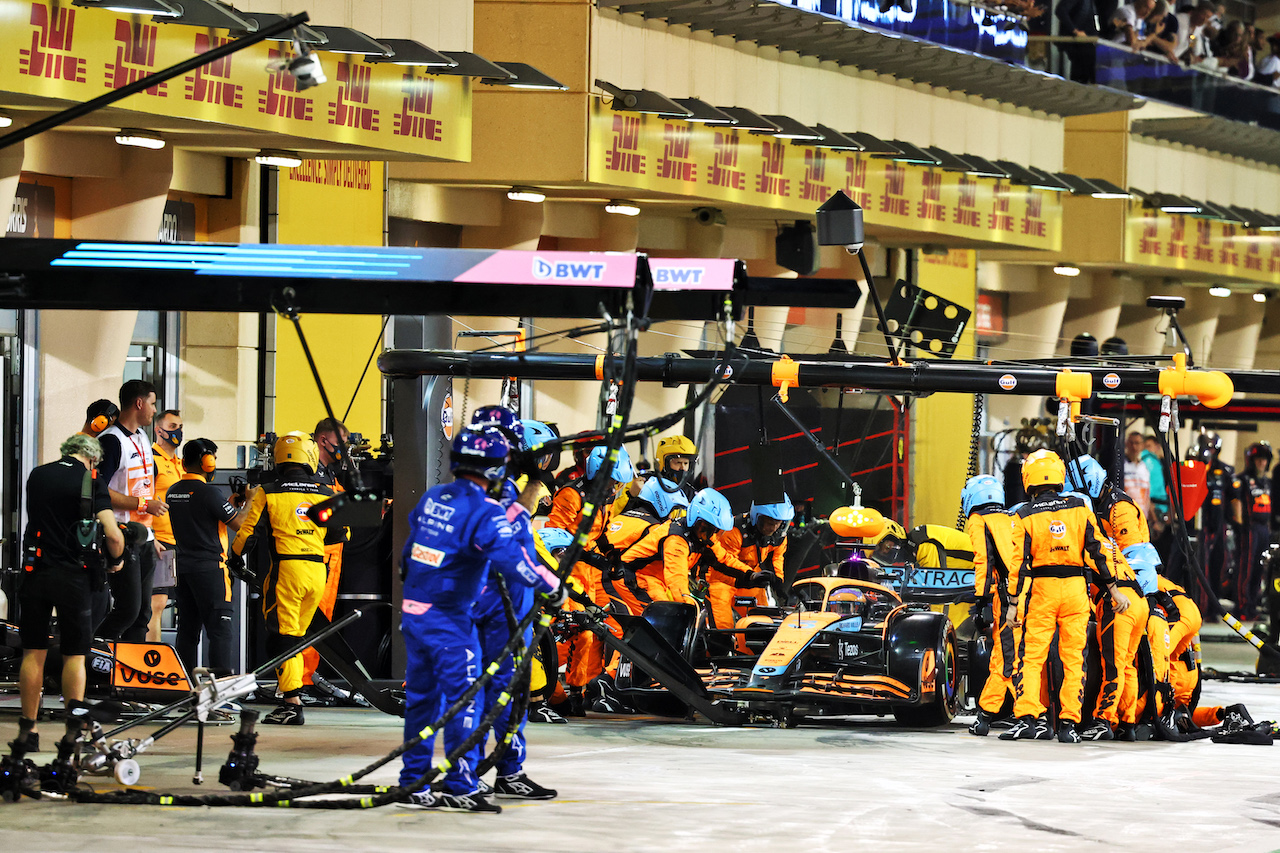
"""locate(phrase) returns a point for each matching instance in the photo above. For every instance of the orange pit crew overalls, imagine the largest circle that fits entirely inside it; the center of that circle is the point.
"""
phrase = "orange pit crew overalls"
(621, 533)
(665, 557)
(729, 601)
(1184, 656)
(586, 651)
(991, 534)
(1119, 636)
(1053, 535)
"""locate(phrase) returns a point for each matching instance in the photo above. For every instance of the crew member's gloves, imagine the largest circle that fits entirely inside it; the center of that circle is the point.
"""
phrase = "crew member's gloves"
(760, 580)
(1165, 600)
(978, 613)
(239, 571)
(557, 597)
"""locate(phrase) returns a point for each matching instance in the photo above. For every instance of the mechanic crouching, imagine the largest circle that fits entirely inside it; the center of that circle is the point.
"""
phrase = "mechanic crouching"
(1053, 537)
(457, 532)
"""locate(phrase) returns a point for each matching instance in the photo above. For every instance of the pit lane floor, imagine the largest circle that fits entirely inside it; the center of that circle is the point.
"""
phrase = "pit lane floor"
(642, 784)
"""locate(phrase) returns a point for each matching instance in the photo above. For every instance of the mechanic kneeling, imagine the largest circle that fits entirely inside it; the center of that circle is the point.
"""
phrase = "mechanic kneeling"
(67, 506)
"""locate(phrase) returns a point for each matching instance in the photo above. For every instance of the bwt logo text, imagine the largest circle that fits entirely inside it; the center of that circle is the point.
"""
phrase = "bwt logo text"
(567, 270)
(678, 275)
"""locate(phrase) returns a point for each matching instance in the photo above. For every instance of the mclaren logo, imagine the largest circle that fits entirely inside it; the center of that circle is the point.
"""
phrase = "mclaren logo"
(568, 271)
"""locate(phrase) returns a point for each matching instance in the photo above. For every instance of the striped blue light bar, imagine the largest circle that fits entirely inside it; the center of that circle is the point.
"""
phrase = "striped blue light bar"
(265, 260)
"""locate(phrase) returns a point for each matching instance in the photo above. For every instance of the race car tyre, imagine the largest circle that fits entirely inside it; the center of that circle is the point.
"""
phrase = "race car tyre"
(931, 631)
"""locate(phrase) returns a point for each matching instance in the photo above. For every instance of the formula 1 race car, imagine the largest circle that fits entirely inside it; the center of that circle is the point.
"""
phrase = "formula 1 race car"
(842, 646)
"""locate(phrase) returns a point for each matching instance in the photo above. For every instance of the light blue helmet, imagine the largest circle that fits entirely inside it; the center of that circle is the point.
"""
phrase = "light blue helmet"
(533, 435)
(1084, 474)
(662, 495)
(555, 538)
(623, 471)
(710, 506)
(782, 511)
(979, 491)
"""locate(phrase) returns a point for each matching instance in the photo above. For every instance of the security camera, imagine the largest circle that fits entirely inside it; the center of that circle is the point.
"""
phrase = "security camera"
(709, 215)
(1166, 302)
(305, 70)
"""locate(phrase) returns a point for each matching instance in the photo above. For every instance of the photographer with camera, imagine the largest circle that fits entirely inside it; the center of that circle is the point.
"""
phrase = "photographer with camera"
(130, 472)
(201, 514)
(68, 520)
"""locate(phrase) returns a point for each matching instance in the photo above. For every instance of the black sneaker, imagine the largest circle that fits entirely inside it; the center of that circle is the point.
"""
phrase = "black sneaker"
(981, 725)
(31, 743)
(610, 705)
(420, 800)
(473, 802)
(521, 787)
(1100, 730)
(483, 788)
(1067, 732)
(541, 712)
(1029, 728)
(285, 714)
(1127, 732)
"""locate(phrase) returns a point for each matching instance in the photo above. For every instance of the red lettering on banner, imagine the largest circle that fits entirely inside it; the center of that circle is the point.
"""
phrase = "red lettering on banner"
(773, 159)
(999, 219)
(1273, 262)
(1147, 243)
(1177, 247)
(855, 181)
(414, 119)
(1204, 235)
(50, 53)
(278, 99)
(930, 204)
(624, 152)
(724, 168)
(895, 191)
(210, 84)
(674, 162)
(135, 56)
(1227, 254)
(346, 174)
(813, 188)
(1033, 221)
(967, 206)
(346, 109)
(1252, 251)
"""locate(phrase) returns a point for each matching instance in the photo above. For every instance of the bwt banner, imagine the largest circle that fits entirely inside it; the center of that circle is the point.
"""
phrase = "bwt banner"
(60, 51)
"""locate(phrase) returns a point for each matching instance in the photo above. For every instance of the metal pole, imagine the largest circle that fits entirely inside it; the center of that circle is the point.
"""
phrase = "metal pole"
(71, 113)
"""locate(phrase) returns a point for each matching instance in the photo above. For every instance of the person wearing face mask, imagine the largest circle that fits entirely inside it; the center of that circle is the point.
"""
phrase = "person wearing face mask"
(168, 430)
(758, 539)
(330, 436)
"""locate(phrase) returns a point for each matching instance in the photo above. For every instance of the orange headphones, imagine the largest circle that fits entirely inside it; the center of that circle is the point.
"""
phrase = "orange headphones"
(101, 414)
(201, 453)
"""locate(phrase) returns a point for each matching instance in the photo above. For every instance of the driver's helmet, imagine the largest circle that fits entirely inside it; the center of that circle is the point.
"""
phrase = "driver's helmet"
(891, 545)
(847, 601)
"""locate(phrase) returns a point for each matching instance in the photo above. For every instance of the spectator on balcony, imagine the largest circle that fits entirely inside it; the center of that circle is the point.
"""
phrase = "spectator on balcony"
(1268, 67)
(1192, 46)
(1233, 51)
(1216, 21)
(1079, 18)
(1162, 25)
(1130, 21)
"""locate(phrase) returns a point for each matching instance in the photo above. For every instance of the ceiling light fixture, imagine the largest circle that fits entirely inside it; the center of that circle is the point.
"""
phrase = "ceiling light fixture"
(5, 119)
(1220, 291)
(642, 101)
(524, 76)
(354, 42)
(135, 138)
(526, 194)
(278, 157)
(789, 128)
(1260, 296)
(471, 65)
(206, 13)
(1069, 270)
(700, 112)
(622, 208)
(747, 120)
(155, 8)
(409, 52)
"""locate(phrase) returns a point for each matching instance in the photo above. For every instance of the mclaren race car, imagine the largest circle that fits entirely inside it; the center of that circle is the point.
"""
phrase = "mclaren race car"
(841, 647)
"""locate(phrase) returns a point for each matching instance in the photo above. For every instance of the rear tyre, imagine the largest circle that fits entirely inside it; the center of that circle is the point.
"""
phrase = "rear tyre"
(947, 695)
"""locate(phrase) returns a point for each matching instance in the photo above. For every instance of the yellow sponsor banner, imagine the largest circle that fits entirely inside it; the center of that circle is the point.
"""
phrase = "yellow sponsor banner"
(340, 343)
(716, 162)
(60, 51)
(1219, 249)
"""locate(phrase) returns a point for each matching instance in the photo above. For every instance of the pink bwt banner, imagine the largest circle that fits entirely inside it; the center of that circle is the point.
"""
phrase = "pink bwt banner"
(594, 269)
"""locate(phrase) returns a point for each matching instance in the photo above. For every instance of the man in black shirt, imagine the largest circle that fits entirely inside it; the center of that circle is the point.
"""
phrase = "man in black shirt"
(54, 575)
(199, 513)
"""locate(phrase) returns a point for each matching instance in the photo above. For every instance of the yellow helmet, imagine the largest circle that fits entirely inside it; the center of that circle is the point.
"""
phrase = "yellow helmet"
(674, 445)
(1043, 468)
(891, 528)
(298, 448)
